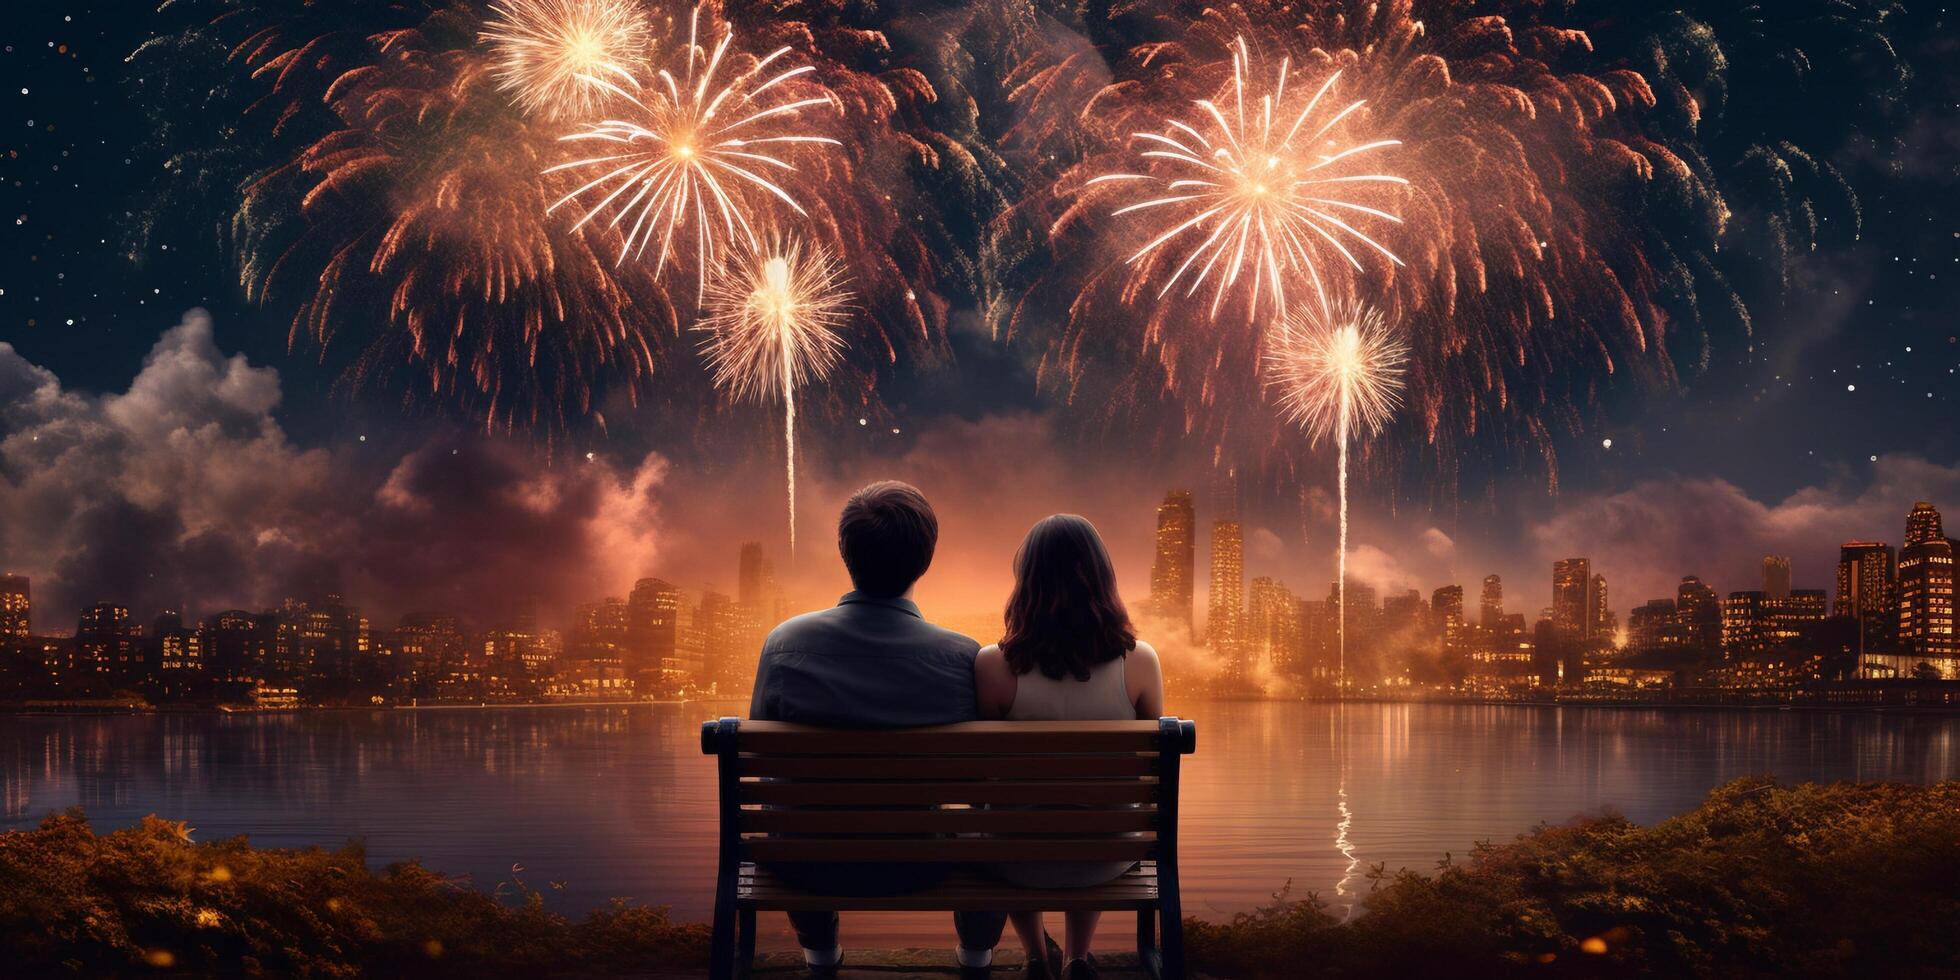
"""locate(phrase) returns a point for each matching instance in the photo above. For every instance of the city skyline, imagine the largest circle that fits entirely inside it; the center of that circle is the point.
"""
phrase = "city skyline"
(1259, 635)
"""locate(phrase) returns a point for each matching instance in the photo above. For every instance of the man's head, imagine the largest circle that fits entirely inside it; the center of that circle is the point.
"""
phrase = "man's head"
(886, 535)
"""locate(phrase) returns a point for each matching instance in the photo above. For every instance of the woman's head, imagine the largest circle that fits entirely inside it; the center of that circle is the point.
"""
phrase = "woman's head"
(1064, 616)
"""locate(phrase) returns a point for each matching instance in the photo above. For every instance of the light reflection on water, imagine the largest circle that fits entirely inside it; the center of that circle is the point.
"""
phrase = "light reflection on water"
(617, 801)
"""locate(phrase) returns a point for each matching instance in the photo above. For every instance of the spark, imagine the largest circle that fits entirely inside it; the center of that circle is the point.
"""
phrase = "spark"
(701, 155)
(775, 313)
(1337, 374)
(547, 49)
(1256, 192)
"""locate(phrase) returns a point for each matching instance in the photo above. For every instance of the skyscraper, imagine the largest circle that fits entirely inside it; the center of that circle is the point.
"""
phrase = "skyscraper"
(15, 606)
(1867, 580)
(1227, 602)
(1604, 623)
(1490, 607)
(1699, 612)
(1776, 577)
(1572, 607)
(1446, 611)
(653, 631)
(1173, 571)
(755, 580)
(1926, 586)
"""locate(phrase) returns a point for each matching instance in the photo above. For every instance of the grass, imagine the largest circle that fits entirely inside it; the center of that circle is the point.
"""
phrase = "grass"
(1759, 880)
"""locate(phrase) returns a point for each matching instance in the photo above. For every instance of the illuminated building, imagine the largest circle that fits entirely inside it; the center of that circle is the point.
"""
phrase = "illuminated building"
(1867, 589)
(1604, 623)
(16, 606)
(1926, 586)
(1446, 616)
(1227, 585)
(1174, 569)
(1788, 617)
(106, 643)
(1490, 605)
(1699, 614)
(1572, 606)
(653, 612)
(1745, 624)
(1776, 577)
(1273, 629)
(1654, 628)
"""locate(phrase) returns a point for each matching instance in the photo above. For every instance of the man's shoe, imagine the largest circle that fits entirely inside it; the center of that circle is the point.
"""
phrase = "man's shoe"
(825, 971)
(981, 972)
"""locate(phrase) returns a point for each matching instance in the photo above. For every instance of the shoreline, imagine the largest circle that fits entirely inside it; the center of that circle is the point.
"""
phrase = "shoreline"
(107, 708)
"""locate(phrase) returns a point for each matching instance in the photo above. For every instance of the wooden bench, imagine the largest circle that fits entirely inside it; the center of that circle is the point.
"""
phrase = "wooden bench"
(792, 793)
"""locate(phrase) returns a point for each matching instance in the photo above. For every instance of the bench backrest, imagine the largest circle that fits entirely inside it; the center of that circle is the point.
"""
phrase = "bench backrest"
(976, 792)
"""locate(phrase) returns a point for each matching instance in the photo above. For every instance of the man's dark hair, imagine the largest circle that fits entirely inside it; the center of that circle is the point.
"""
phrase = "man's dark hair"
(886, 535)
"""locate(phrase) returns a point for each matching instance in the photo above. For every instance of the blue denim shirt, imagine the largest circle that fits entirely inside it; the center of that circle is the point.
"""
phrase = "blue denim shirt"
(865, 663)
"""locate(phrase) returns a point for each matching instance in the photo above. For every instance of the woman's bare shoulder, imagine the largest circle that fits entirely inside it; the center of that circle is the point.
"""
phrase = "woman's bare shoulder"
(1145, 651)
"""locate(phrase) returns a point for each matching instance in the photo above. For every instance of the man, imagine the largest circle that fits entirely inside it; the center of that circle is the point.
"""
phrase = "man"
(872, 661)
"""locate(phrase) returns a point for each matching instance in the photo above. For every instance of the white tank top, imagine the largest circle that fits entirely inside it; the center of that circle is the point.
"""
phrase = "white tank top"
(1105, 696)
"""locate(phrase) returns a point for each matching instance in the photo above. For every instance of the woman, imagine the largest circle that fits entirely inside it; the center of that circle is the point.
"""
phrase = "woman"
(1069, 654)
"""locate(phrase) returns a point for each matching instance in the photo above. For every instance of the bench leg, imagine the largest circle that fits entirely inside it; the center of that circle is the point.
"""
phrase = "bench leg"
(721, 948)
(1173, 940)
(745, 943)
(1149, 958)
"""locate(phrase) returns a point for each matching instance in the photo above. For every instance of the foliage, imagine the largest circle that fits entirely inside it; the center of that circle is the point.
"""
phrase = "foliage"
(1761, 879)
(147, 899)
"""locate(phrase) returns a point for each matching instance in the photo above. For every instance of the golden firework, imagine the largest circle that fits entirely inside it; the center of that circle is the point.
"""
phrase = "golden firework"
(1257, 192)
(699, 156)
(1337, 371)
(546, 50)
(775, 313)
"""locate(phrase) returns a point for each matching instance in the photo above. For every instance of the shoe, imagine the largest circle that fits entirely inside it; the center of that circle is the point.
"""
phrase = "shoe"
(1082, 969)
(977, 972)
(826, 972)
(1048, 967)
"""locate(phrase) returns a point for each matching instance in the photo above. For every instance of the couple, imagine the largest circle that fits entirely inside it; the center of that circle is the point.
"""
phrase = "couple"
(872, 661)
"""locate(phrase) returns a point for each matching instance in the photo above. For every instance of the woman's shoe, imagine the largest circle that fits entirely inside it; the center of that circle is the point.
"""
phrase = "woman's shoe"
(1082, 969)
(1048, 967)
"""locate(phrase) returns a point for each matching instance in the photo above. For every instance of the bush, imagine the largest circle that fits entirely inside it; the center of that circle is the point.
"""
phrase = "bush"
(146, 899)
(1759, 880)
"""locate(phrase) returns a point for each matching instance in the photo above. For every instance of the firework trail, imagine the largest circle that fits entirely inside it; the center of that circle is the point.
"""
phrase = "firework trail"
(1262, 184)
(773, 327)
(1337, 375)
(546, 50)
(684, 161)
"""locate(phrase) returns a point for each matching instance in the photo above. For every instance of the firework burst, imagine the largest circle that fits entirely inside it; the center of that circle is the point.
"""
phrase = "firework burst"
(1256, 188)
(775, 315)
(1336, 372)
(547, 49)
(702, 155)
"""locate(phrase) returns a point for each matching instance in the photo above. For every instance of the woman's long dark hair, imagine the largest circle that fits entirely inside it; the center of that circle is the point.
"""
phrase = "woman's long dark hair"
(1064, 616)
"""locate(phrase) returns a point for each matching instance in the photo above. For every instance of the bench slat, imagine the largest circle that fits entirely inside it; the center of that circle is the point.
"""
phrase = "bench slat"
(1047, 822)
(955, 850)
(928, 794)
(971, 738)
(948, 767)
(966, 891)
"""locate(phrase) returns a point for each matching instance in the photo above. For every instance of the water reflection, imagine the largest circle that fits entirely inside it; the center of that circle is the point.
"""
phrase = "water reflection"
(617, 801)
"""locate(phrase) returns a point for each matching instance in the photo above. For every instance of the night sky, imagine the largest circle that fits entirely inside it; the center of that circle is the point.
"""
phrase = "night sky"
(1837, 412)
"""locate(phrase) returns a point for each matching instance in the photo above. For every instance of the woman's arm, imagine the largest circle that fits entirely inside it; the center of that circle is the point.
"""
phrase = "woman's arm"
(1145, 674)
(993, 683)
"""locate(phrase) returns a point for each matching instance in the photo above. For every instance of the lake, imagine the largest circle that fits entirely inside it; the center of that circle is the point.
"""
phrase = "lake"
(616, 800)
